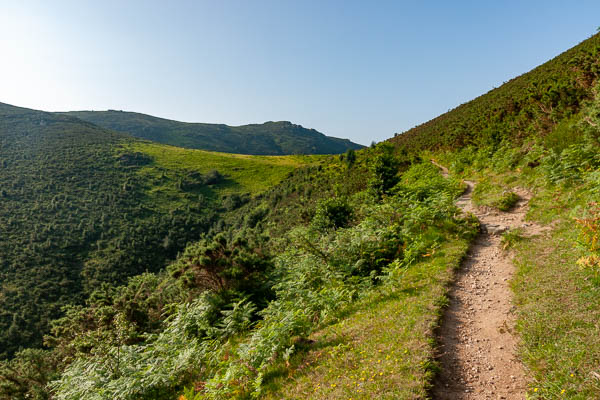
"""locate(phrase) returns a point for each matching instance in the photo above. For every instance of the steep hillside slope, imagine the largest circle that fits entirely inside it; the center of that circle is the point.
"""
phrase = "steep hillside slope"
(270, 138)
(529, 105)
(536, 138)
(345, 265)
(81, 205)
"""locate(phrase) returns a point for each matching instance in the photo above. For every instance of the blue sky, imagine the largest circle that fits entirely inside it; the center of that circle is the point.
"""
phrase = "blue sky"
(361, 70)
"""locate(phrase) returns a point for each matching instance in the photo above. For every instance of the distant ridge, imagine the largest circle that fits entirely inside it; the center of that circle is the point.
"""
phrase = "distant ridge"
(269, 138)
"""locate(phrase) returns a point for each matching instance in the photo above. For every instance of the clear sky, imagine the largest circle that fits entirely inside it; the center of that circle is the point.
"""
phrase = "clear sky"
(356, 69)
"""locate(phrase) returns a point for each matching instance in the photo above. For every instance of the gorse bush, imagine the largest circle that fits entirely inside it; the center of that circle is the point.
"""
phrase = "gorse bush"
(332, 214)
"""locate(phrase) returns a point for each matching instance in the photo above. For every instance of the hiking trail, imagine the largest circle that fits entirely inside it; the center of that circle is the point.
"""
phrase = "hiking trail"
(477, 341)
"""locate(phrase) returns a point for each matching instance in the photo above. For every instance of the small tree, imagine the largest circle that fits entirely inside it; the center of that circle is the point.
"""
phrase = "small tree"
(384, 169)
(221, 264)
(350, 157)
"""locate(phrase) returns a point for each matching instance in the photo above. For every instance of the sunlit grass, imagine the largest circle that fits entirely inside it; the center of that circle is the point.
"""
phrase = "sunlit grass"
(383, 348)
(243, 174)
(251, 174)
(557, 300)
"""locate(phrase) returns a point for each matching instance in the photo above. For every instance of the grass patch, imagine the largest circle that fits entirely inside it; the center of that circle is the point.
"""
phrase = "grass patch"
(558, 312)
(245, 173)
(511, 238)
(494, 195)
(384, 346)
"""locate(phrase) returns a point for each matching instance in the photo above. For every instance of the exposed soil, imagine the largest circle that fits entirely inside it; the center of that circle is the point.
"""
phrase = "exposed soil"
(478, 345)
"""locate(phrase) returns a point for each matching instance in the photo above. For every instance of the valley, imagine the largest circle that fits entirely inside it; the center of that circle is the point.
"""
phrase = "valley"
(139, 269)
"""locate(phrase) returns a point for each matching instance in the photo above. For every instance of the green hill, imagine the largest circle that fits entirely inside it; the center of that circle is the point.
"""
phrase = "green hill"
(331, 280)
(82, 205)
(270, 138)
(529, 105)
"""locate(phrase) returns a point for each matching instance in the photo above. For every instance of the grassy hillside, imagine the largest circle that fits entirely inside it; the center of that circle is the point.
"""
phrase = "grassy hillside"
(270, 138)
(244, 173)
(558, 160)
(82, 205)
(351, 249)
(302, 283)
(529, 105)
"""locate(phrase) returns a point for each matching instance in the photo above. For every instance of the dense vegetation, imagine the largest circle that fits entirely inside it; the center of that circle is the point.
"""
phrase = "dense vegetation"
(529, 105)
(82, 206)
(236, 303)
(283, 283)
(270, 138)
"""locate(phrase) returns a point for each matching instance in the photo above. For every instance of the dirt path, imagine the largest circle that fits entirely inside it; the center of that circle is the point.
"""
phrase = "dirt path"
(477, 341)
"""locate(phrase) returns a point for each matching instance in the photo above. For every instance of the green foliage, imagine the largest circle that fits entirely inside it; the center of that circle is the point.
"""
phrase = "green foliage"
(82, 206)
(332, 214)
(316, 274)
(590, 238)
(26, 376)
(563, 135)
(270, 138)
(150, 370)
(569, 166)
(350, 157)
(141, 306)
(74, 214)
(511, 237)
(384, 168)
(506, 201)
(219, 264)
(527, 106)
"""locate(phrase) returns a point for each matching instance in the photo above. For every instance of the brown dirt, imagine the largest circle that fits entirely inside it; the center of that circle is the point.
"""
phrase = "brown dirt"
(478, 344)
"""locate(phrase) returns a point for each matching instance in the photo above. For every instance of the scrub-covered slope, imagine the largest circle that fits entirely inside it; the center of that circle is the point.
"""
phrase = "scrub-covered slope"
(81, 205)
(529, 105)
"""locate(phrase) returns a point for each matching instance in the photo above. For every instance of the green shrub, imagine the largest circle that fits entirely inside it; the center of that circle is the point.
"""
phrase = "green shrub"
(384, 169)
(332, 214)
(506, 201)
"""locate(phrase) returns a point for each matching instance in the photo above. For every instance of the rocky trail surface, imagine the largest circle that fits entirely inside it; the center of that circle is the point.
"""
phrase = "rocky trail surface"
(478, 344)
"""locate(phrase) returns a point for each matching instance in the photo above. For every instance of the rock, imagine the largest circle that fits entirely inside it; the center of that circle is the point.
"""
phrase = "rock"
(493, 229)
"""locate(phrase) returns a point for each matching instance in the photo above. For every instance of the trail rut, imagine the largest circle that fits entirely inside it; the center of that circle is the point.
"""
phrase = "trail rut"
(477, 342)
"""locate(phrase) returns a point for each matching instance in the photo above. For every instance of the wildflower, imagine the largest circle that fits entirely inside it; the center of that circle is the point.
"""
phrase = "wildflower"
(535, 390)
(381, 373)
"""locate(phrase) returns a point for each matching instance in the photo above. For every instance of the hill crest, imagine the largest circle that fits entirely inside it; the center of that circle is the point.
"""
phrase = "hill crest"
(268, 138)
